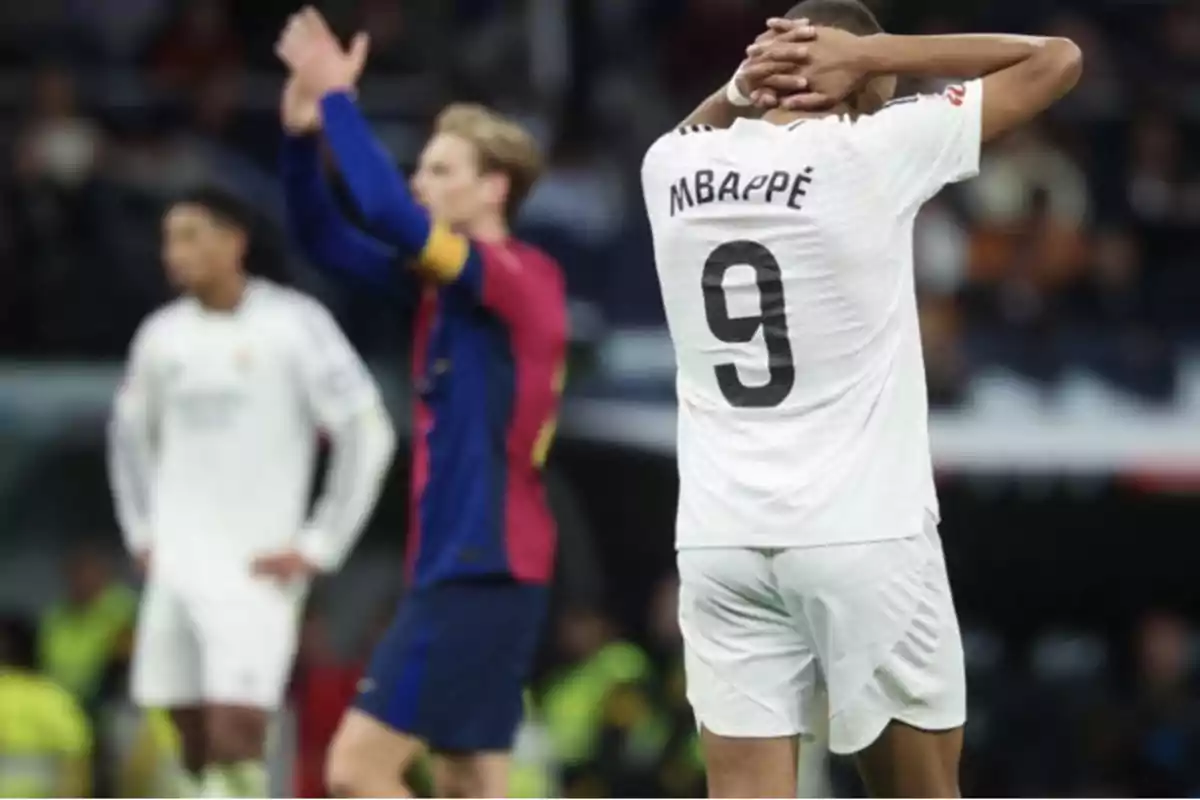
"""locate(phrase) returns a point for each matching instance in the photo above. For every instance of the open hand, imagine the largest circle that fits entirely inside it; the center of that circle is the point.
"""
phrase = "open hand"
(765, 79)
(318, 62)
(831, 65)
(285, 566)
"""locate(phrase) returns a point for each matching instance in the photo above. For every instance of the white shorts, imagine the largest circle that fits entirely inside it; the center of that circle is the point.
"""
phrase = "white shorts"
(199, 647)
(771, 636)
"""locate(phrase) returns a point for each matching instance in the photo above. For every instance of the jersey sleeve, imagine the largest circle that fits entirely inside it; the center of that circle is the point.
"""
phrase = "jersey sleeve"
(664, 153)
(326, 237)
(922, 143)
(335, 381)
(131, 439)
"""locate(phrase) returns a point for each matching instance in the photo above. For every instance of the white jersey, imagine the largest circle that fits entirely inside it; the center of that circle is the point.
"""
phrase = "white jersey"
(216, 428)
(785, 257)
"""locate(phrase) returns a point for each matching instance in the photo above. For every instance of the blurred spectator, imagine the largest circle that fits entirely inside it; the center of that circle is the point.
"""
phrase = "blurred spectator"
(45, 739)
(574, 700)
(197, 46)
(1162, 188)
(56, 160)
(394, 48)
(1020, 265)
(1165, 728)
(218, 116)
(59, 145)
(720, 29)
(940, 249)
(114, 30)
(1114, 330)
(1178, 81)
(679, 768)
(945, 371)
(1023, 166)
(1101, 92)
(81, 638)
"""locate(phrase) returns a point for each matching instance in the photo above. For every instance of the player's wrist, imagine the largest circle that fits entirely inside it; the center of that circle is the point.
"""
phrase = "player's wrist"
(301, 130)
(737, 93)
(874, 54)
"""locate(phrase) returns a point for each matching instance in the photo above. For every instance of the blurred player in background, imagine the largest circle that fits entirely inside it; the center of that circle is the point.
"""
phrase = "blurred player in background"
(807, 528)
(213, 444)
(488, 366)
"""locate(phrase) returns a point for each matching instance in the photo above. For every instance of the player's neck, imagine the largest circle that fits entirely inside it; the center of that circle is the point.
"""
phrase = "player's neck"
(490, 229)
(781, 116)
(224, 295)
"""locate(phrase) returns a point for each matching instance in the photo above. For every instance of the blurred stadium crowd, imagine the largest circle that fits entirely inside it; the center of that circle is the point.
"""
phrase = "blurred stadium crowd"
(1075, 250)
(607, 716)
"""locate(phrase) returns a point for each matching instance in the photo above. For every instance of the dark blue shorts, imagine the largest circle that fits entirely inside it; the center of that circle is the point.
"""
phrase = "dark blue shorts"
(452, 667)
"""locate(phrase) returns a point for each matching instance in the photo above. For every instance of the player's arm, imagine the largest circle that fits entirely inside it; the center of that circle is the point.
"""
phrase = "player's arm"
(327, 237)
(132, 433)
(346, 404)
(440, 254)
(757, 79)
(1022, 75)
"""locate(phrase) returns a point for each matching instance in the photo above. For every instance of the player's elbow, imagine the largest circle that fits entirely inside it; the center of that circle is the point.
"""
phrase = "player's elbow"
(1061, 63)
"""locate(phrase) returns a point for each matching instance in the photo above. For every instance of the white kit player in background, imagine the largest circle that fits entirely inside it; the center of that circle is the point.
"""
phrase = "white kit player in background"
(213, 447)
(807, 539)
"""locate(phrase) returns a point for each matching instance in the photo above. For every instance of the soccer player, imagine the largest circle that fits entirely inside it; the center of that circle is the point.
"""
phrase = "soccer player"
(807, 544)
(213, 442)
(488, 363)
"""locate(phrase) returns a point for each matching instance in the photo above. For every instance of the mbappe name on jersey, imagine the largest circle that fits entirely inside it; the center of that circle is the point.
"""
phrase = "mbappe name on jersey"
(708, 186)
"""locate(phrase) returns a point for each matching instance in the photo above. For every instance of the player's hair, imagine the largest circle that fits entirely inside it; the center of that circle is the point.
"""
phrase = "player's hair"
(265, 254)
(847, 15)
(224, 206)
(503, 146)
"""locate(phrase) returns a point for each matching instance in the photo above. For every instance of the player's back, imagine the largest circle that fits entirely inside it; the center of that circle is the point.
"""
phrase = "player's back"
(785, 259)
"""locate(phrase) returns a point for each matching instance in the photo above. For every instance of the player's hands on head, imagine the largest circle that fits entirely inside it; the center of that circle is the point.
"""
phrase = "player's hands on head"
(285, 566)
(831, 65)
(317, 60)
(766, 79)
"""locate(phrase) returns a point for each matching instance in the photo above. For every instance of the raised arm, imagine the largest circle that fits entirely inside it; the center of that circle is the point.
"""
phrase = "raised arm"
(376, 186)
(323, 69)
(325, 236)
(1022, 75)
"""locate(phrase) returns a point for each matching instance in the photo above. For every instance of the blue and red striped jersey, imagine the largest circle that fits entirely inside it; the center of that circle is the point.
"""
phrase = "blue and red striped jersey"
(488, 368)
